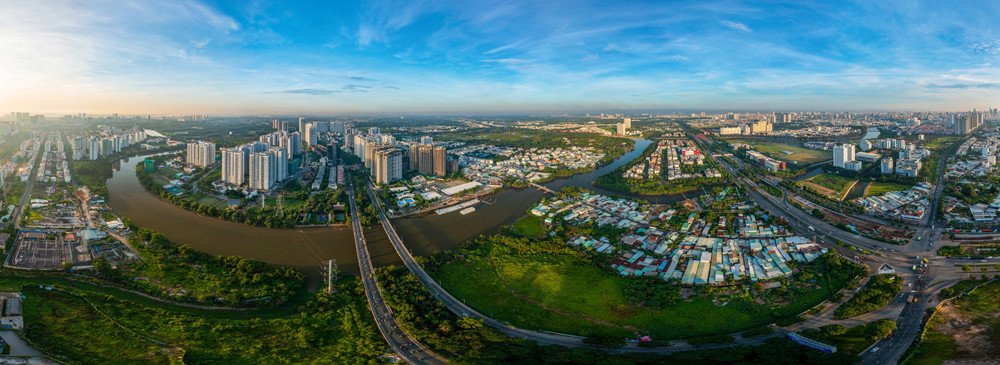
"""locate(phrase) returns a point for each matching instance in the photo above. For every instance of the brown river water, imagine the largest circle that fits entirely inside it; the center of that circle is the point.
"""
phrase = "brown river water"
(308, 248)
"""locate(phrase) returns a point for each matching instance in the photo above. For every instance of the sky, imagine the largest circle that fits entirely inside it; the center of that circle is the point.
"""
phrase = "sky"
(381, 57)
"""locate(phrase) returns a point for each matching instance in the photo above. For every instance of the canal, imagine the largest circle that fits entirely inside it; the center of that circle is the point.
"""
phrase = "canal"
(307, 248)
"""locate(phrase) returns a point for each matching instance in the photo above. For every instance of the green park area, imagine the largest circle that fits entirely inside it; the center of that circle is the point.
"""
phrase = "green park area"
(878, 188)
(88, 324)
(966, 331)
(549, 286)
(941, 142)
(833, 186)
(876, 294)
(798, 154)
(530, 226)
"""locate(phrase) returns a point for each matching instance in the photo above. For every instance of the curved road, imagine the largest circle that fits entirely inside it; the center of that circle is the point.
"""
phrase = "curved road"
(402, 344)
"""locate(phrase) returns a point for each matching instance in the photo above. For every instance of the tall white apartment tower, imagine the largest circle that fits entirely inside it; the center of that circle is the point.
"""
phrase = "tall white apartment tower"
(843, 154)
(234, 166)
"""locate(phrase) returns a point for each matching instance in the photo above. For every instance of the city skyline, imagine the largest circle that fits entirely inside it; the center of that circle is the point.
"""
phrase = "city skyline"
(212, 57)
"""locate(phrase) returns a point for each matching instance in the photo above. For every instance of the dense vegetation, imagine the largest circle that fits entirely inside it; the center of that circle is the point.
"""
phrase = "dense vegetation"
(93, 174)
(121, 329)
(184, 274)
(615, 180)
(876, 294)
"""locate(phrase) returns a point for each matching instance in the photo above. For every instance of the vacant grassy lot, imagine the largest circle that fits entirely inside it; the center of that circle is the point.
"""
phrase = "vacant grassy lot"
(530, 226)
(966, 331)
(581, 288)
(879, 188)
(940, 143)
(799, 154)
(833, 186)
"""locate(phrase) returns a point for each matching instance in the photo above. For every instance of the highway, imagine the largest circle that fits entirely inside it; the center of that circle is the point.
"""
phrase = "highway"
(907, 315)
(460, 308)
(401, 343)
(901, 257)
(22, 205)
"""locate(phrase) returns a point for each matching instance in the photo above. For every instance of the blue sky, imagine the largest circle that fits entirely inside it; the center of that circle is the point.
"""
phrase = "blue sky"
(308, 57)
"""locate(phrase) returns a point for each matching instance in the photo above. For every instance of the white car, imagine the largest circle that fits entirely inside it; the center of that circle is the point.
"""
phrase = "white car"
(874, 349)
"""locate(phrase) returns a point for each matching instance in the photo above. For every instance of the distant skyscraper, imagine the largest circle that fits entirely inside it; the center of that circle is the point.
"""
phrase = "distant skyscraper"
(622, 130)
(627, 122)
(426, 140)
(302, 125)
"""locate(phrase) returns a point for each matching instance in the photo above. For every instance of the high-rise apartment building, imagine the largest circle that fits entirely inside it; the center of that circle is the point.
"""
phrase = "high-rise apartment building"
(414, 154)
(621, 129)
(94, 151)
(426, 140)
(234, 165)
(201, 154)
(388, 167)
(369, 159)
(843, 154)
(311, 135)
(426, 160)
(440, 161)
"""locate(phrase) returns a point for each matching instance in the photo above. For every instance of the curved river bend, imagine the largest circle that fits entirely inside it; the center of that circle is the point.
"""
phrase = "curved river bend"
(307, 248)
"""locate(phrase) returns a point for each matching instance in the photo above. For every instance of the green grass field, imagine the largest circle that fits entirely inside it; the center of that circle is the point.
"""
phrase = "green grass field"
(940, 143)
(799, 154)
(879, 188)
(579, 287)
(834, 186)
(530, 226)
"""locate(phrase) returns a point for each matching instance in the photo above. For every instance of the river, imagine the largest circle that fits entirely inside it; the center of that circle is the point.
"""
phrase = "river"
(308, 248)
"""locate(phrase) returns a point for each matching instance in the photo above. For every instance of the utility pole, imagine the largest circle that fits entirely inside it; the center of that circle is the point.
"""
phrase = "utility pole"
(281, 206)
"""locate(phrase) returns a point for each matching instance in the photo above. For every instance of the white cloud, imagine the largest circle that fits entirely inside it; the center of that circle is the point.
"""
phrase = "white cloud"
(736, 25)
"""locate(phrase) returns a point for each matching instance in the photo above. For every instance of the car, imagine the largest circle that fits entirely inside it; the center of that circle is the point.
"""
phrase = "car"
(874, 349)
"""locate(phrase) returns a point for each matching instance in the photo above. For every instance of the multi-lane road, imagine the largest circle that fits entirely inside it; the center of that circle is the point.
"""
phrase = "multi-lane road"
(902, 257)
(401, 343)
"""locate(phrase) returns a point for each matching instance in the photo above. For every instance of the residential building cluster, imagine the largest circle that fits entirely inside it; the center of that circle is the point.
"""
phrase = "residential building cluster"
(698, 253)
(910, 204)
(815, 132)
(109, 141)
(262, 164)
(491, 165)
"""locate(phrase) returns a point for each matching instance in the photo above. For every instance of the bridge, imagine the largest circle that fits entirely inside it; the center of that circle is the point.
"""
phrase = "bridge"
(401, 343)
(542, 188)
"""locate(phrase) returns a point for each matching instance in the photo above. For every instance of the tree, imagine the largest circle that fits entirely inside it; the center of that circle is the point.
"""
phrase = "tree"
(67, 266)
(833, 330)
(880, 329)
